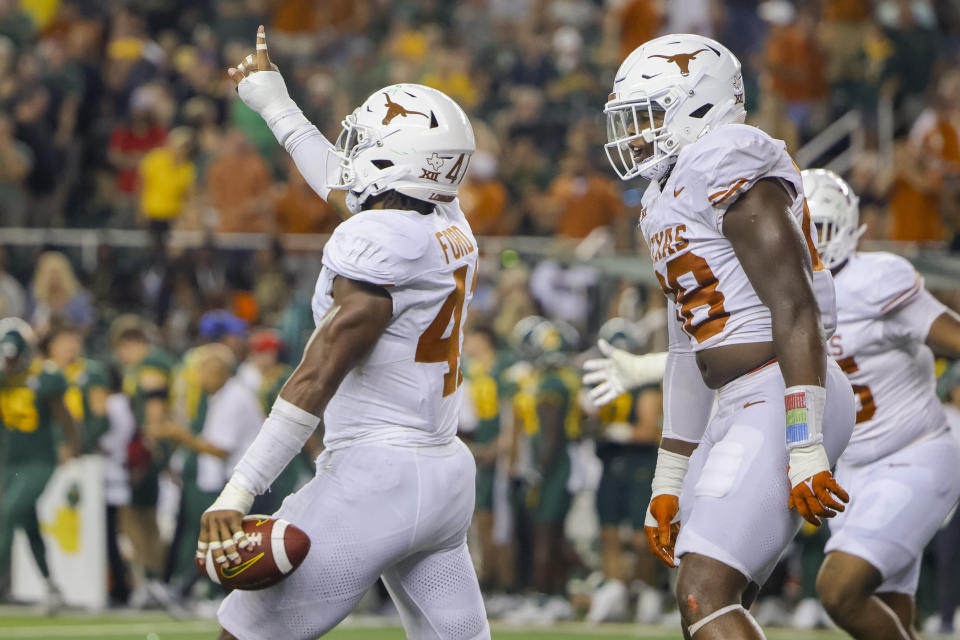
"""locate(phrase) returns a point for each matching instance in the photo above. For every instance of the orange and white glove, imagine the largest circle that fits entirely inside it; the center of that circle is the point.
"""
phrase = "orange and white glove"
(813, 491)
(662, 522)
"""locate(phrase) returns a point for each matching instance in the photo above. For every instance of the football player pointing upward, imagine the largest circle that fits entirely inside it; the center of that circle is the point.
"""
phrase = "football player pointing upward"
(726, 225)
(394, 490)
(902, 463)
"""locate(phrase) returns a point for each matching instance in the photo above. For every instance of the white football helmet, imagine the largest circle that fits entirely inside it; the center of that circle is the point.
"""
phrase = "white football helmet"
(834, 209)
(669, 92)
(406, 137)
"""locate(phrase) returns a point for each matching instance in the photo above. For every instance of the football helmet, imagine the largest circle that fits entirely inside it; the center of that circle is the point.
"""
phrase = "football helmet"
(624, 334)
(834, 209)
(553, 341)
(406, 137)
(17, 344)
(667, 93)
(521, 336)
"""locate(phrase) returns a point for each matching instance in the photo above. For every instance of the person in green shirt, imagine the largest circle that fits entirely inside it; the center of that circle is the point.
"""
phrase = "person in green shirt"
(31, 410)
(558, 421)
(88, 383)
(482, 367)
(147, 378)
(627, 447)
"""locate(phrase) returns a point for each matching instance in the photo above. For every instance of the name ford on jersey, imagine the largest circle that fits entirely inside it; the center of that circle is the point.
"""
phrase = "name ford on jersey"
(458, 243)
(666, 243)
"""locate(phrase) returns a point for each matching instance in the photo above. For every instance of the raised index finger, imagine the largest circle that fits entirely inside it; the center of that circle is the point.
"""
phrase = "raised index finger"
(263, 60)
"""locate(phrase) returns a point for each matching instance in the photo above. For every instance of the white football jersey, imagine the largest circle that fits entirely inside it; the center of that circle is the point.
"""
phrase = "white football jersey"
(407, 390)
(884, 315)
(694, 262)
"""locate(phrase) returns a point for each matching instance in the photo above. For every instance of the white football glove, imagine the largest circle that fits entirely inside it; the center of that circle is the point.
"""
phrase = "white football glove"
(266, 93)
(620, 371)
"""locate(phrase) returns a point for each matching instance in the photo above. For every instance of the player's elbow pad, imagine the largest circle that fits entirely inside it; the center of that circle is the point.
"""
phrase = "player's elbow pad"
(282, 436)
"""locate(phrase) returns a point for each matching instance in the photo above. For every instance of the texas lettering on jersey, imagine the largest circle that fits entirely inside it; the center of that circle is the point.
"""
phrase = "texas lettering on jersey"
(683, 227)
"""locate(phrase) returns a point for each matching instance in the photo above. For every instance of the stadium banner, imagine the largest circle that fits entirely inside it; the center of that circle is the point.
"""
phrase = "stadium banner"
(72, 515)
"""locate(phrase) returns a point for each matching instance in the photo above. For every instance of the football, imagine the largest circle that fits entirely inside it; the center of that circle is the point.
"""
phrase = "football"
(276, 549)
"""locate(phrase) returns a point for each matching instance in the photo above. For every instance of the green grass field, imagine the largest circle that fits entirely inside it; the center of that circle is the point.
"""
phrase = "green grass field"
(13, 624)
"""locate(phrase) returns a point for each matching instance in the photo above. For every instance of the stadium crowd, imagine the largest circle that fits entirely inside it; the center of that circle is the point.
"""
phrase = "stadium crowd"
(119, 115)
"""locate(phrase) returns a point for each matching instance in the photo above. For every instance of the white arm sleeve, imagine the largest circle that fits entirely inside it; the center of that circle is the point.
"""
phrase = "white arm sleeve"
(687, 401)
(310, 150)
(282, 436)
(266, 93)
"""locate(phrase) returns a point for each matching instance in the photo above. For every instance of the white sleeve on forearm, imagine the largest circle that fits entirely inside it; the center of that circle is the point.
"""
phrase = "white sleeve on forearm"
(687, 401)
(282, 436)
(266, 93)
(310, 150)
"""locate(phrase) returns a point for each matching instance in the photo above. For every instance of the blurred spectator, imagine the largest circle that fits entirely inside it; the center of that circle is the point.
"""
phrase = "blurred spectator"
(167, 177)
(16, 161)
(34, 129)
(56, 295)
(911, 27)
(13, 299)
(271, 283)
(795, 63)
(130, 142)
(15, 23)
(239, 184)
(484, 198)
(225, 328)
(298, 208)
(583, 199)
(871, 182)
(639, 21)
(113, 445)
(918, 186)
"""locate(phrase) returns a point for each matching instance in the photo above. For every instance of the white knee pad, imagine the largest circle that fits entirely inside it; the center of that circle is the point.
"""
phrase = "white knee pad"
(722, 611)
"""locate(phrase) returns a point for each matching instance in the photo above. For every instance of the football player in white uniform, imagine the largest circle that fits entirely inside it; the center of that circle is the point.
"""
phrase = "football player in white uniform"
(902, 464)
(732, 245)
(394, 490)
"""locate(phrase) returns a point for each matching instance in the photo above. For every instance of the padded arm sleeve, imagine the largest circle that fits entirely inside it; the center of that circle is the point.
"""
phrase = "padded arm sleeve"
(266, 93)
(310, 150)
(282, 436)
(687, 401)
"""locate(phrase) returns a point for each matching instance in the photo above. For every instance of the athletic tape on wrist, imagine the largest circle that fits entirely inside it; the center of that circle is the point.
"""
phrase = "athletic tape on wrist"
(806, 462)
(233, 498)
(669, 473)
(804, 406)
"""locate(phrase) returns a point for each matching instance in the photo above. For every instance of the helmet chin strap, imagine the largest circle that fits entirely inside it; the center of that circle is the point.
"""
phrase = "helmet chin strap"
(383, 181)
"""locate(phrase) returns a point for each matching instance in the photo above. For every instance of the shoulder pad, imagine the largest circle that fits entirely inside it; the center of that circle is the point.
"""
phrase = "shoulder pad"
(729, 160)
(377, 246)
(890, 281)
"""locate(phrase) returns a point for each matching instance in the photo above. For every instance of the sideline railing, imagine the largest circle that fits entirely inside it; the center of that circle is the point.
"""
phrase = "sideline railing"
(940, 268)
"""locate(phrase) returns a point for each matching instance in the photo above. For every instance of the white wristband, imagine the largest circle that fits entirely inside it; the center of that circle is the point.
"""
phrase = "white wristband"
(804, 406)
(669, 474)
(233, 498)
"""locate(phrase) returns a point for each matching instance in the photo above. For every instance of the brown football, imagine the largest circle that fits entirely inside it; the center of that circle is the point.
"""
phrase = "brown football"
(277, 548)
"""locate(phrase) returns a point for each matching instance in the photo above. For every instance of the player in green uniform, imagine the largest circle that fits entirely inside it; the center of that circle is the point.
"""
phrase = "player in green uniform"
(88, 383)
(482, 367)
(558, 421)
(627, 447)
(31, 409)
(147, 379)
